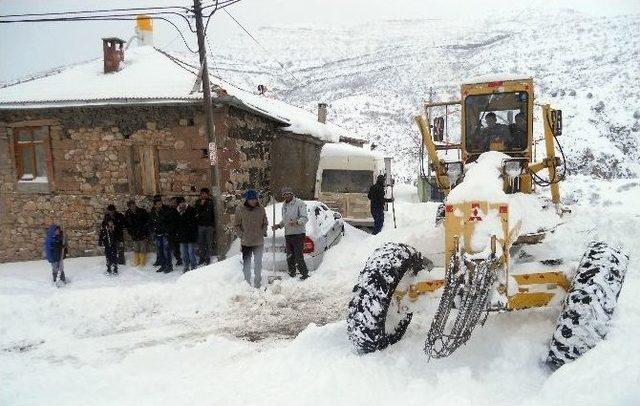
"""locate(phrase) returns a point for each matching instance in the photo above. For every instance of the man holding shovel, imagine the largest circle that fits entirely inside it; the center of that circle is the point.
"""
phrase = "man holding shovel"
(294, 219)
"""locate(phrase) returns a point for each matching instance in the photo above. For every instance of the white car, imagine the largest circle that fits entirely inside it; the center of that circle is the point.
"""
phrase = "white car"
(324, 229)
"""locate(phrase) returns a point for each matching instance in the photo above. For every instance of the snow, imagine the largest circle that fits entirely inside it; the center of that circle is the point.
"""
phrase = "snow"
(144, 74)
(482, 181)
(341, 150)
(495, 77)
(148, 76)
(206, 337)
(375, 77)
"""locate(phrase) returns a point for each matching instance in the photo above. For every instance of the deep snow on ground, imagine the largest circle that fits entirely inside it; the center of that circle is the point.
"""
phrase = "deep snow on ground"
(207, 338)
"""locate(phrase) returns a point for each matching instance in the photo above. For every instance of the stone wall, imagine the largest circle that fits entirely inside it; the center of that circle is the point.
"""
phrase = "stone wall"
(98, 157)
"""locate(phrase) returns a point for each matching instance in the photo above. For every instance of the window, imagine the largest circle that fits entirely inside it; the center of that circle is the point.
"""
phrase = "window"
(143, 178)
(497, 119)
(31, 157)
(345, 181)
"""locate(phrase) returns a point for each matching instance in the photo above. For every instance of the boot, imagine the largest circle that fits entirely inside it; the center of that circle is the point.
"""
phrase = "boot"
(143, 258)
(134, 260)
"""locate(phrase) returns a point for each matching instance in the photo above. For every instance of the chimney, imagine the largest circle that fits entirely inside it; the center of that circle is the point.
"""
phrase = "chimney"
(322, 112)
(144, 30)
(113, 50)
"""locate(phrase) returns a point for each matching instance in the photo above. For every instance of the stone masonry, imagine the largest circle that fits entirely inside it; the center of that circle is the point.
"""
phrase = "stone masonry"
(102, 155)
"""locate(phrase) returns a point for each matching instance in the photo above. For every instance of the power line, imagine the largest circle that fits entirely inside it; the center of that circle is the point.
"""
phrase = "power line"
(263, 47)
(110, 10)
(121, 17)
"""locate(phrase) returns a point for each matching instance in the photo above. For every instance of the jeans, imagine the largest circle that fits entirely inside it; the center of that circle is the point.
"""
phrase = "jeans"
(205, 237)
(257, 264)
(378, 219)
(175, 248)
(56, 267)
(295, 257)
(188, 250)
(163, 253)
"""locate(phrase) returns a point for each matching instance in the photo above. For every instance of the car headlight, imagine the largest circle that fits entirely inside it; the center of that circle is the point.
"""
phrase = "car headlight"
(454, 171)
(512, 168)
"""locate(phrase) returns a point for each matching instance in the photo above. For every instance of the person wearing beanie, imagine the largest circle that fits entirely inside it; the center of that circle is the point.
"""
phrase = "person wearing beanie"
(250, 225)
(294, 220)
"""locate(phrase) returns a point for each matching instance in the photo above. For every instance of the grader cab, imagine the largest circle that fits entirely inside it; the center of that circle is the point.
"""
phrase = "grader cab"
(491, 208)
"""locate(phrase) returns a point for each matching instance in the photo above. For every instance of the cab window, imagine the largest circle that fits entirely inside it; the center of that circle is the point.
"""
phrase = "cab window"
(496, 122)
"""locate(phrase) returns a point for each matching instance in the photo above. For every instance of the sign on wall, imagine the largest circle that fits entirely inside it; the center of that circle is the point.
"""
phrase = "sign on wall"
(213, 154)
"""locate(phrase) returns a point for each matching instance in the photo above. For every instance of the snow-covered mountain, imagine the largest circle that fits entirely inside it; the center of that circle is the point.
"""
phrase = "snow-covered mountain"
(374, 76)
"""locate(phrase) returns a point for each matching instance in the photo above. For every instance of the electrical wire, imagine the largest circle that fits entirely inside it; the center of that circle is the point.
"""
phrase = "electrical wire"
(94, 11)
(106, 18)
(263, 47)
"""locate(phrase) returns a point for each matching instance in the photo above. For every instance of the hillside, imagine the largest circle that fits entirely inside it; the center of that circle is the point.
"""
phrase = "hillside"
(374, 76)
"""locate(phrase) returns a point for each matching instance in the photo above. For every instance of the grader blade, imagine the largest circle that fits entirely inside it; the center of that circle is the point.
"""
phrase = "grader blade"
(467, 288)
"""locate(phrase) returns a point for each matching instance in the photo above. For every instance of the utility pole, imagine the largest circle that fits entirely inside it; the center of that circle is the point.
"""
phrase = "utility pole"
(211, 136)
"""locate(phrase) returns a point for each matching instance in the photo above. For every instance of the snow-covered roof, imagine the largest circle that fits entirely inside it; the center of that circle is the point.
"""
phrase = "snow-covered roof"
(149, 75)
(343, 149)
(495, 77)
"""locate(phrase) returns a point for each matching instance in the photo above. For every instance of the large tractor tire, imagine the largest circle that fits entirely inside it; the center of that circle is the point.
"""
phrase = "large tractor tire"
(370, 324)
(589, 304)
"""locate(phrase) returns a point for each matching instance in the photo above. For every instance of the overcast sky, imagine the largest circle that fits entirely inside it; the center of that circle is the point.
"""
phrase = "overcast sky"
(36, 47)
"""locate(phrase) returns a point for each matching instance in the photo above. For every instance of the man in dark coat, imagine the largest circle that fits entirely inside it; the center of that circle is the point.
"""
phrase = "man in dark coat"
(118, 223)
(160, 223)
(172, 230)
(109, 240)
(187, 231)
(377, 197)
(206, 219)
(137, 223)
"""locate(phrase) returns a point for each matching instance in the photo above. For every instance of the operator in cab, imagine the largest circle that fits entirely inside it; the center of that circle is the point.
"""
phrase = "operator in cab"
(518, 131)
(494, 132)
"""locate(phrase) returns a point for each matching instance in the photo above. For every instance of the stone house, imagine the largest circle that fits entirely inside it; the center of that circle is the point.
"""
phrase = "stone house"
(77, 139)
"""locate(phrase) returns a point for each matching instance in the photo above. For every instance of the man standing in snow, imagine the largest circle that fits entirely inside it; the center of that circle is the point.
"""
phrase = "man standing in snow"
(294, 219)
(109, 240)
(206, 218)
(137, 224)
(172, 230)
(250, 224)
(118, 222)
(160, 223)
(377, 198)
(187, 230)
(55, 248)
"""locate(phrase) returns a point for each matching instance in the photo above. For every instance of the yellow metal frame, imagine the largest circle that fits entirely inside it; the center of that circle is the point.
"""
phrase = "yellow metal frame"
(534, 289)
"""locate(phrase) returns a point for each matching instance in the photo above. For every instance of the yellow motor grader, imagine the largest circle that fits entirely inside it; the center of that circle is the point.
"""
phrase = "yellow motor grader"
(490, 208)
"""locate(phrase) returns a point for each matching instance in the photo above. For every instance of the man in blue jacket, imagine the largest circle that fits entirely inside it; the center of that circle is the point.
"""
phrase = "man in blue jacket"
(55, 248)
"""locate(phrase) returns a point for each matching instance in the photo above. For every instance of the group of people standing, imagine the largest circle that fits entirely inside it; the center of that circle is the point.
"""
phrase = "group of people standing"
(177, 229)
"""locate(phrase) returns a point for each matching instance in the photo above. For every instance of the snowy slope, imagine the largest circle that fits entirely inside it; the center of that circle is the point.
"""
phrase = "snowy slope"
(206, 338)
(374, 76)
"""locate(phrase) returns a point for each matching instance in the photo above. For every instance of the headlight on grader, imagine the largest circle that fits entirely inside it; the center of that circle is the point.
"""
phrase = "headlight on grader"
(454, 172)
(513, 168)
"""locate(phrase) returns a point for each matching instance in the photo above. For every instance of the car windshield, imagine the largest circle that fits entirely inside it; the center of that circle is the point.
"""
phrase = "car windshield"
(497, 121)
(346, 181)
